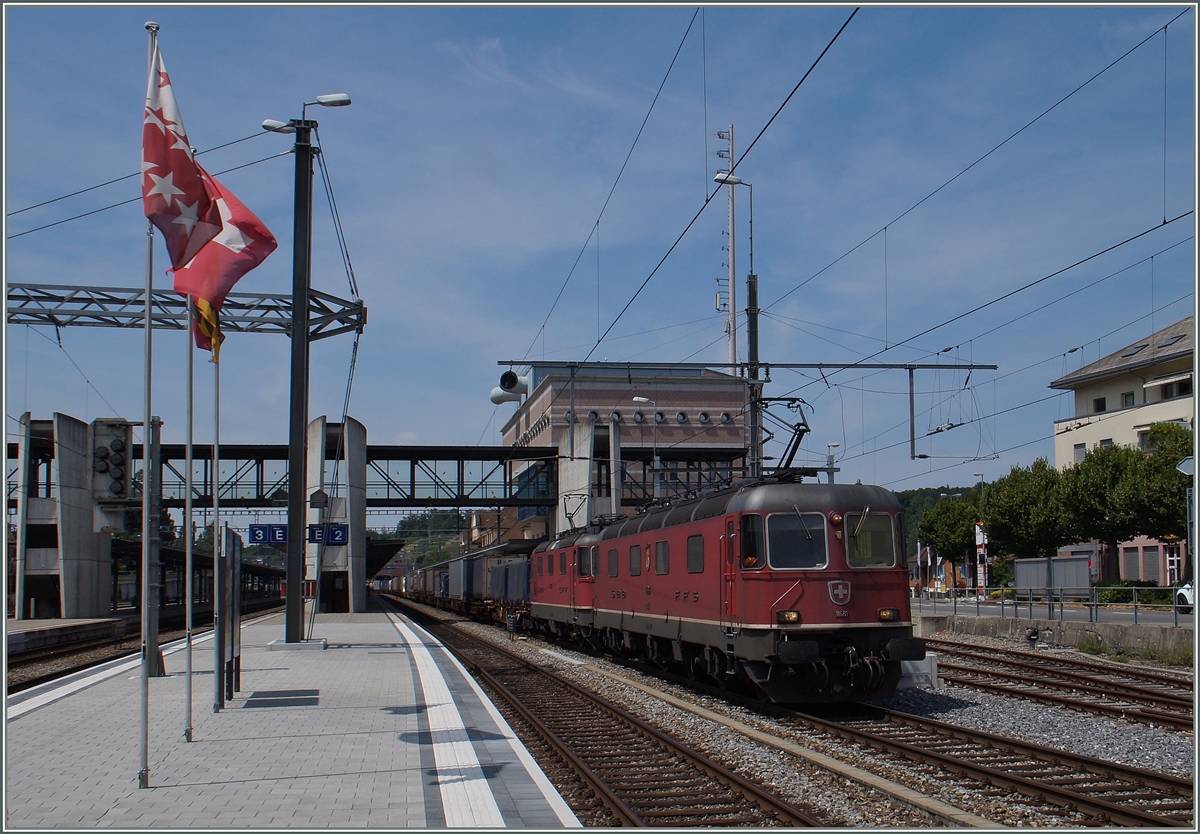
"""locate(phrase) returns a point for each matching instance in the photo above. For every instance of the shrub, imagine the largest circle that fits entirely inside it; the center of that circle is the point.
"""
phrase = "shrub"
(1122, 592)
(1090, 644)
(1181, 656)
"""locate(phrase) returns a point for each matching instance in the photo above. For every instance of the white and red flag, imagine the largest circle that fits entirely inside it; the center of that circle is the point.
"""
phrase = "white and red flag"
(242, 244)
(173, 192)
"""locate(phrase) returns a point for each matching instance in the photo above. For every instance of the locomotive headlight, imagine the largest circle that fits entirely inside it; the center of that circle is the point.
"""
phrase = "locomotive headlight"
(836, 519)
(787, 617)
(889, 615)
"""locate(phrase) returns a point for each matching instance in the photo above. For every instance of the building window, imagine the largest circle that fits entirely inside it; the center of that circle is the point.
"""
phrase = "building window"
(1105, 443)
(1127, 400)
(1099, 405)
(1150, 566)
(1134, 351)
(1130, 558)
(1080, 451)
(1182, 388)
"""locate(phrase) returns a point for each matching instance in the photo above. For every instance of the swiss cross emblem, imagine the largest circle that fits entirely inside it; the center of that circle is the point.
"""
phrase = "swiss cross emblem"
(839, 591)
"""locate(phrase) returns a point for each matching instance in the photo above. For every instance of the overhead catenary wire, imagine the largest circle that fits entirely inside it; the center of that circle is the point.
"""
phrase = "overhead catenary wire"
(136, 199)
(596, 225)
(732, 167)
(997, 147)
(121, 179)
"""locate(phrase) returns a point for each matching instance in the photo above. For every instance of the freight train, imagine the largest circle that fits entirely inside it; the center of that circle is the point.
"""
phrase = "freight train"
(797, 589)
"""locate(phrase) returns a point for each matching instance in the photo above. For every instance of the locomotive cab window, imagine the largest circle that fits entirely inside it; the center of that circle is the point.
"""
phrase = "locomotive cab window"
(635, 560)
(539, 565)
(584, 562)
(796, 540)
(752, 542)
(613, 562)
(870, 540)
(562, 563)
(550, 563)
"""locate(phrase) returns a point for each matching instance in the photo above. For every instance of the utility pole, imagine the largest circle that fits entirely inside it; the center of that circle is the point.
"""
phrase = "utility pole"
(731, 325)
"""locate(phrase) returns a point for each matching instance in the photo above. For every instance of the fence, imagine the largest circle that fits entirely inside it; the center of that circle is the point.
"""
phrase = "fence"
(1054, 603)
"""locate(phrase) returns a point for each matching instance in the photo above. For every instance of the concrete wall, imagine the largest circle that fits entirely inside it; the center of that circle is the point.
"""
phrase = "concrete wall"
(85, 557)
(1115, 636)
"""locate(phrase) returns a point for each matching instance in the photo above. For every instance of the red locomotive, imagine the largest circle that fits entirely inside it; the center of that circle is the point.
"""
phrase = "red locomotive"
(797, 588)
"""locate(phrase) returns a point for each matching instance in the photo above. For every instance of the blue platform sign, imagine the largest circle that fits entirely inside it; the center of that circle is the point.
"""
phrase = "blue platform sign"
(333, 534)
(260, 534)
(279, 533)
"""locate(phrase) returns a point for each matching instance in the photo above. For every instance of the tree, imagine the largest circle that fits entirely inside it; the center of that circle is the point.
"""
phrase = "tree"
(949, 527)
(1023, 512)
(1100, 495)
(1161, 499)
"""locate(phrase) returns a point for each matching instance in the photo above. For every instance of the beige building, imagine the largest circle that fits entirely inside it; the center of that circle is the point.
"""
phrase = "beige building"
(1117, 399)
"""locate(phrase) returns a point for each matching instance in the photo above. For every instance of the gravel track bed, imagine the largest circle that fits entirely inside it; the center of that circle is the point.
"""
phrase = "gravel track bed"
(844, 802)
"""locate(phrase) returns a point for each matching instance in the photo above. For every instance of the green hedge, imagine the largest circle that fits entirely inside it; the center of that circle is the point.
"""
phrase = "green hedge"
(1121, 592)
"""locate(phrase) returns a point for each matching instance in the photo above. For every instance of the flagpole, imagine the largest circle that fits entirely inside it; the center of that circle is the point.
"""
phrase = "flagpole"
(144, 771)
(218, 585)
(187, 523)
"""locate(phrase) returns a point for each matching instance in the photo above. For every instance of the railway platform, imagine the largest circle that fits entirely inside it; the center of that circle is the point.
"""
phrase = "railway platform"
(28, 635)
(382, 729)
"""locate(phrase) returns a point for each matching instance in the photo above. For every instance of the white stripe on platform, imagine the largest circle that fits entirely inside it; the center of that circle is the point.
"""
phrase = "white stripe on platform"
(467, 800)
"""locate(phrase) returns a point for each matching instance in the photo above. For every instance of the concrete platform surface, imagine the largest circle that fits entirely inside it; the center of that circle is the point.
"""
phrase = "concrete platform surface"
(383, 729)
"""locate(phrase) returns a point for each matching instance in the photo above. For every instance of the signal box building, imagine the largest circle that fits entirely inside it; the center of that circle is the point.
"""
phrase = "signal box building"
(626, 434)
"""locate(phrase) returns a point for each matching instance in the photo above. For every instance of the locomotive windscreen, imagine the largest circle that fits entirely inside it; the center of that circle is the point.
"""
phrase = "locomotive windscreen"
(796, 541)
(874, 546)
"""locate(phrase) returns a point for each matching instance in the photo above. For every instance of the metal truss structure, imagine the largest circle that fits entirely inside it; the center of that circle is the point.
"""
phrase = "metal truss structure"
(69, 306)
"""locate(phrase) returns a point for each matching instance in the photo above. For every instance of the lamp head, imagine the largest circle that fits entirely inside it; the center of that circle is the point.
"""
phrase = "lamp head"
(641, 400)
(277, 126)
(332, 100)
(728, 179)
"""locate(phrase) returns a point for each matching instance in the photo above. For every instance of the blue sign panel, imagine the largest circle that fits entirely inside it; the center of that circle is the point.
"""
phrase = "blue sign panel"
(316, 533)
(338, 534)
(279, 534)
(260, 534)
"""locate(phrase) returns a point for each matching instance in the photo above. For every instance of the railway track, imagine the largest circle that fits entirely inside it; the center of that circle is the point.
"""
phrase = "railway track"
(1143, 695)
(642, 776)
(37, 666)
(1110, 793)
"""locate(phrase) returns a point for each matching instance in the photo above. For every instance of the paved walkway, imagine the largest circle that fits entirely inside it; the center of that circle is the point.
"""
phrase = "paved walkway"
(382, 729)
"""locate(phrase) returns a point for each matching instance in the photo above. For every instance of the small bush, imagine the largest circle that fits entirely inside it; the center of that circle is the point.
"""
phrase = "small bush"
(1121, 592)
(1178, 657)
(1008, 594)
(1091, 644)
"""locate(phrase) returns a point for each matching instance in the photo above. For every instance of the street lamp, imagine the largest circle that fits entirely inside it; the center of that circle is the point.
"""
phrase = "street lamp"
(298, 409)
(654, 459)
(829, 447)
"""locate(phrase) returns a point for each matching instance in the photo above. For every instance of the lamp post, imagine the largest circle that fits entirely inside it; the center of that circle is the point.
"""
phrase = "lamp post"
(298, 408)
(751, 323)
(654, 458)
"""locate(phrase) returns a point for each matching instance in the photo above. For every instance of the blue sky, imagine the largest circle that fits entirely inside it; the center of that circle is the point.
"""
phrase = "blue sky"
(483, 142)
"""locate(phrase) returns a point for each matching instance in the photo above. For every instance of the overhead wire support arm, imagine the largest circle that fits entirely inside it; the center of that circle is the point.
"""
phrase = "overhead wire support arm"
(59, 305)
